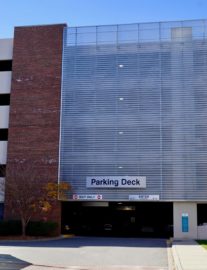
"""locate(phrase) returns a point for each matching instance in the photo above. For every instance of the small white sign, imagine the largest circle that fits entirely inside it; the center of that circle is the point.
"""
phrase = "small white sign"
(144, 197)
(87, 197)
(116, 181)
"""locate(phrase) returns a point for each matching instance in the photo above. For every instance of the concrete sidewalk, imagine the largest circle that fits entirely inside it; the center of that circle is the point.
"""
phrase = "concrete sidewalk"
(189, 255)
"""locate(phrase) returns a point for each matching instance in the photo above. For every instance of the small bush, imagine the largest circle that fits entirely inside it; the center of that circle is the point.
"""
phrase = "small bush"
(10, 227)
(34, 228)
(40, 228)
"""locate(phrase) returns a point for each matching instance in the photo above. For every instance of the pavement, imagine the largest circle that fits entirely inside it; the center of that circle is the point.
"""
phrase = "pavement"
(189, 255)
(86, 253)
(95, 253)
(8, 262)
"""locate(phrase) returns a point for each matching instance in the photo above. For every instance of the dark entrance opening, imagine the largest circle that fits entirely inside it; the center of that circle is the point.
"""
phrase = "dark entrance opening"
(202, 214)
(132, 219)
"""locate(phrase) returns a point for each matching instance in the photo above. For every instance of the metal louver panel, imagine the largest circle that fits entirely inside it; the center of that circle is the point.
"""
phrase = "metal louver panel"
(134, 102)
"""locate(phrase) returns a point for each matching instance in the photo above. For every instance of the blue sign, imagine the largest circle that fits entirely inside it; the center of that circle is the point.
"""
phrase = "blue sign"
(185, 223)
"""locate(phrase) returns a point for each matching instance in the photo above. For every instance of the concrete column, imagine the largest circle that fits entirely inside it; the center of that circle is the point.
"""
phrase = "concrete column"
(189, 209)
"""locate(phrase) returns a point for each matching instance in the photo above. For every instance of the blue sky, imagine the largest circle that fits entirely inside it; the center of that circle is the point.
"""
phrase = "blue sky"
(95, 12)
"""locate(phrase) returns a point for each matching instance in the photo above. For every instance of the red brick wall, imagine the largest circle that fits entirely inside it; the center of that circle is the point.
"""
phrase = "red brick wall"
(35, 103)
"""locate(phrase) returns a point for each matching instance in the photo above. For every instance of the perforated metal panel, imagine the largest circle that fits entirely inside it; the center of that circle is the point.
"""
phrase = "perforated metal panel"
(134, 102)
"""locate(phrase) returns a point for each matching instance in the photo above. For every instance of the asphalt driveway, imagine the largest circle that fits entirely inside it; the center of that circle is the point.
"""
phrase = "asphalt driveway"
(89, 252)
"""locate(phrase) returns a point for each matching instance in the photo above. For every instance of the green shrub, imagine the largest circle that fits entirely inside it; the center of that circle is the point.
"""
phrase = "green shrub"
(40, 228)
(10, 227)
(34, 228)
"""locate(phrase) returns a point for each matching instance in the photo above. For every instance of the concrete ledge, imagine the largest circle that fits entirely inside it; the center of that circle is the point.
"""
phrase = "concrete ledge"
(3, 152)
(4, 116)
(5, 82)
(6, 49)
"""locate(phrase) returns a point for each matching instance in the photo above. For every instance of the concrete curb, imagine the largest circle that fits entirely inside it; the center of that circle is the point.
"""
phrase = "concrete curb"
(37, 240)
(171, 264)
(104, 267)
(177, 262)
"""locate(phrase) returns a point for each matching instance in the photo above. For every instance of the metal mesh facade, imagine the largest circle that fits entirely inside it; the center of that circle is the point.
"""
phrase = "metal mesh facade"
(134, 102)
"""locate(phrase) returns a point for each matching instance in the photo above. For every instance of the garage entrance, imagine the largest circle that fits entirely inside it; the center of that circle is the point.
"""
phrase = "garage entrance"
(137, 219)
(201, 214)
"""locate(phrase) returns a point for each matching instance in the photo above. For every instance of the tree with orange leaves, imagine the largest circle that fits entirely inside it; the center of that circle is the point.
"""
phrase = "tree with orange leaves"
(26, 195)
